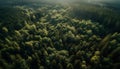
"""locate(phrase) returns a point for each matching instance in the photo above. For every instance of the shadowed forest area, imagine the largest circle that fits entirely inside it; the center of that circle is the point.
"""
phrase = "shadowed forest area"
(59, 34)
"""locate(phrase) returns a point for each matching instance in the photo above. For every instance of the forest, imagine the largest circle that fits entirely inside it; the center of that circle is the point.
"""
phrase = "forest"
(56, 36)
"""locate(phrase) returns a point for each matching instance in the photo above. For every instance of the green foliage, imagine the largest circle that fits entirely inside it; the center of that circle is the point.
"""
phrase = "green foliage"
(104, 15)
(69, 66)
(5, 29)
(49, 38)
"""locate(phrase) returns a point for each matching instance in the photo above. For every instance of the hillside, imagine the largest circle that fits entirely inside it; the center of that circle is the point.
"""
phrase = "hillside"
(55, 36)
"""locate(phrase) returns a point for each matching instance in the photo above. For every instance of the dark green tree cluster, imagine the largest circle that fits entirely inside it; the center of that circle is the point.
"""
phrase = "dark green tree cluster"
(104, 15)
(50, 39)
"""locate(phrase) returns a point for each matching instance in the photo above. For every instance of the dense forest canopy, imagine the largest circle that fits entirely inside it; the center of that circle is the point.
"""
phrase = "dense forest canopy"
(59, 34)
